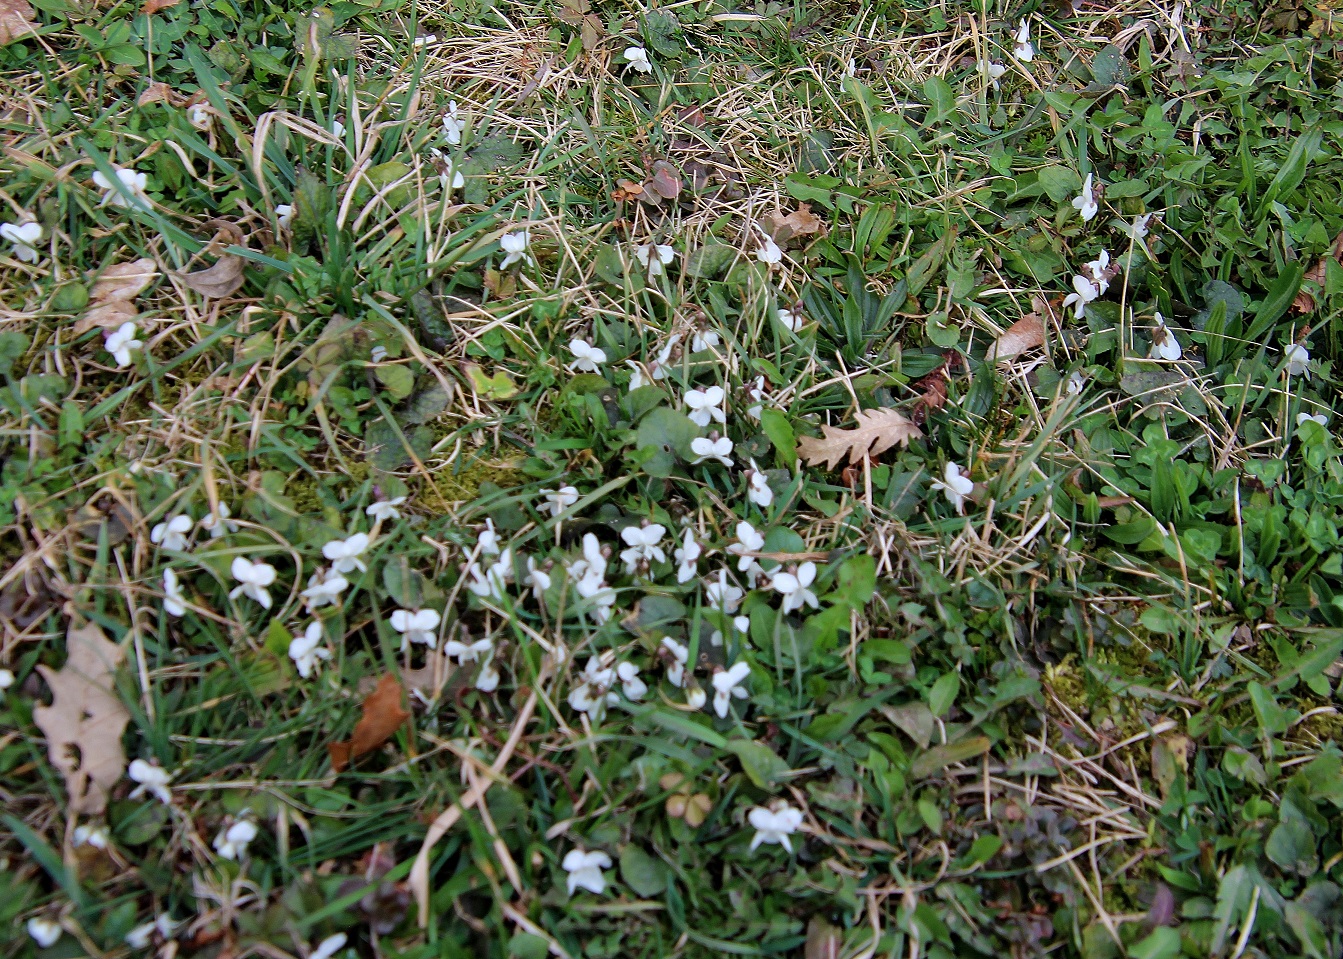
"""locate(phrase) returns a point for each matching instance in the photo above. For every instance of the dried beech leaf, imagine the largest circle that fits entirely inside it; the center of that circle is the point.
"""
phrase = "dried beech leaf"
(1025, 334)
(161, 93)
(154, 6)
(85, 720)
(123, 281)
(218, 281)
(382, 717)
(665, 181)
(876, 432)
(16, 20)
(1305, 300)
(783, 227)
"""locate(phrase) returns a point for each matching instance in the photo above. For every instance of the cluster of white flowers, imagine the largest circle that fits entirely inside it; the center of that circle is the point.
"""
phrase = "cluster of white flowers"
(1089, 285)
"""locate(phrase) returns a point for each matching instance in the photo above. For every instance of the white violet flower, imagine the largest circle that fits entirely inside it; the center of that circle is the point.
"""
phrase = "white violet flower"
(23, 236)
(1075, 383)
(586, 356)
(706, 405)
(1164, 344)
(704, 448)
(385, 509)
(634, 687)
(329, 946)
(643, 545)
(727, 684)
(769, 253)
(200, 117)
(654, 257)
(1298, 359)
(756, 394)
(637, 58)
(719, 593)
(95, 836)
(687, 556)
(995, 72)
(1139, 228)
(585, 870)
(6, 679)
(324, 588)
(593, 693)
(956, 485)
(344, 553)
(487, 541)
(453, 124)
(558, 500)
(152, 780)
(793, 321)
(794, 587)
(1085, 290)
(120, 342)
(231, 843)
(217, 523)
(254, 577)
(704, 340)
(45, 932)
(748, 541)
(757, 489)
(172, 533)
(659, 364)
(774, 826)
(307, 650)
(165, 926)
(416, 627)
(515, 245)
(680, 656)
(468, 652)
(1022, 48)
(129, 190)
(538, 579)
(284, 216)
(174, 603)
(1085, 203)
(1303, 418)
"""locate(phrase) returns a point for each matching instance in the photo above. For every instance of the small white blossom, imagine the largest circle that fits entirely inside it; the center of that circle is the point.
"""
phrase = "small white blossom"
(254, 577)
(284, 216)
(756, 394)
(696, 697)
(757, 489)
(741, 624)
(1098, 268)
(637, 58)
(489, 582)
(23, 236)
(643, 545)
(794, 587)
(120, 342)
(704, 340)
(748, 541)
(172, 532)
(217, 523)
(687, 556)
(1085, 290)
(1298, 359)
(1164, 344)
(1085, 203)
(1303, 418)
(768, 252)
(956, 485)
(418, 626)
(1075, 383)
(165, 926)
(324, 588)
(232, 842)
(1022, 48)
(680, 656)
(706, 405)
(1139, 229)
(515, 245)
(200, 117)
(654, 257)
(774, 826)
(337, 128)
(468, 652)
(6, 679)
(637, 378)
(593, 693)
(307, 650)
(727, 684)
(538, 579)
(719, 593)
(995, 72)
(453, 124)
(487, 541)
(448, 175)
(152, 780)
(793, 321)
(634, 687)
(487, 680)
(174, 603)
(593, 563)
(329, 946)
(344, 553)
(95, 836)
(385, 509)
(704, 448)
(45, 932)
(587, 358)
(558, 500)
(131, 182)
(585, 870)
(659, 364)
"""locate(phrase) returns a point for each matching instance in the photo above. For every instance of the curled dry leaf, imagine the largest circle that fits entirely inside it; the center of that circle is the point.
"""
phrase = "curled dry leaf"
(85, 720)
(161, 93)
(801, 222)
(154, 6)
(1025, 334)
(876, 432)
(112, 299)
(16, 20)
(1317, 274)
(218, 281)
(382, 717)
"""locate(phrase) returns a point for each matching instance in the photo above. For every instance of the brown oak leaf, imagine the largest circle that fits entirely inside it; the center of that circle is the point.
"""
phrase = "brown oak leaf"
(1025, 334)
(85, 720)
(876, 432)
(1317, 274)
(112, 299)
(382, 717)
(16, 20)
(783, 227)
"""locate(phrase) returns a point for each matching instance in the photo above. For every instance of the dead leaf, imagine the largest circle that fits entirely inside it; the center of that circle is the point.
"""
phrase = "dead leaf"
(823, 940)
(112, 299)
(154, 6)
(1025, 334)
(801, 222)
(626, 190)
(161, 93)
(876, 432)
(85, 720)
(665, 181)
(382, 717)
(16, 20)
(1305, 300)
(218, 281)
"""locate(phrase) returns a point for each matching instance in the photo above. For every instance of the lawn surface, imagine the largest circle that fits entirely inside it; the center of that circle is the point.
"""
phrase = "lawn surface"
(605, 479)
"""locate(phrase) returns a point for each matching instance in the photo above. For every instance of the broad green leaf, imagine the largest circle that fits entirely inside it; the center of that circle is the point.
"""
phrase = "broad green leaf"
(643, 873)
(397, 380)
(500, 386)
(939, 757)
(943, 694)
(760, 763)
(775, 425)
